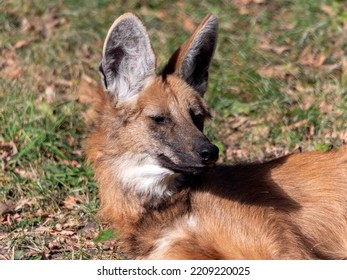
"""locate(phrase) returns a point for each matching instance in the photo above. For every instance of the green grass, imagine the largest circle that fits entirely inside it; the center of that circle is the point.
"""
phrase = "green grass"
(277, 83)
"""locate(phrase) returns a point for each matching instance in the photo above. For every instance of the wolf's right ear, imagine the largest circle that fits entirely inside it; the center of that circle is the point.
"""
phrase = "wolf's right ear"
(128, 60)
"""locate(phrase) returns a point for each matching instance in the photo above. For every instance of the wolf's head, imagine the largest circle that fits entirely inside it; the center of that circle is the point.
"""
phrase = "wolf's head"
(150, 127)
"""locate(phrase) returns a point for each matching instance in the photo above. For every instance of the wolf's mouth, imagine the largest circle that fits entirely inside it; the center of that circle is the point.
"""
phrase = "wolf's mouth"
(183, 169)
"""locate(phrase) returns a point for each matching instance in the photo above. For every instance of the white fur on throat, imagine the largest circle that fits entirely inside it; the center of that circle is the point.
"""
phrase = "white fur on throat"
(144, 175)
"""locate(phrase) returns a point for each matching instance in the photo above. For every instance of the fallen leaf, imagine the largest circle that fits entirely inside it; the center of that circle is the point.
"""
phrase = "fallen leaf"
(71, 141)
(68, 232)
(90, 229)
(87, 94)
(72, 223)
(108, 245)
(25, 202)
(302, 123)
(86, 50)
(62, 82)
(308, 101)
(265, 45)
(238, 123)
(50, 94)
(8, 149)
(310, 59)
(7, 206)
(344, 67)
(6, 220)
(188, 25)
(43, 25)
(236, 153)
(275, 152)
(48, 21)
(328, 10)
(3, 207)
(274, 71)
(58, 227)
(25, 25)
(86, 90)
(43, 229)
(325, 108)
(71, 202)
(243, 6)
(22, 43)
(161, 14)
(72, 163)
(55, 244)
(17, 218)
(25, 173)
(12, 70)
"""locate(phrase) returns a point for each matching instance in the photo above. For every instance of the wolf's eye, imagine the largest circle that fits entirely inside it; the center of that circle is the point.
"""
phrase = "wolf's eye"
(198, 120)
(160, 120)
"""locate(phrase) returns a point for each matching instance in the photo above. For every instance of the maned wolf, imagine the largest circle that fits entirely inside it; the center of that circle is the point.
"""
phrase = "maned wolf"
(160, 187)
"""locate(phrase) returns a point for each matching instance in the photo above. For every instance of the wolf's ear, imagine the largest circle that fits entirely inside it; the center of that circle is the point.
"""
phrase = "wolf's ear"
(128, 60)
(192, 60)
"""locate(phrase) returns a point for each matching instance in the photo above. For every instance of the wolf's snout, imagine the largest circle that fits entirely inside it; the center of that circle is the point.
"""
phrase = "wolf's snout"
(209, 153)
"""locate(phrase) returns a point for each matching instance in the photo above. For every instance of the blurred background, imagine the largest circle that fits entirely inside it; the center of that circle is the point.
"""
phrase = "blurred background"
(277, 86)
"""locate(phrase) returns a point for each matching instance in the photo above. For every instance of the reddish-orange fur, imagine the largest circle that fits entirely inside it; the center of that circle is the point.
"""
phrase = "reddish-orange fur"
(293, 207)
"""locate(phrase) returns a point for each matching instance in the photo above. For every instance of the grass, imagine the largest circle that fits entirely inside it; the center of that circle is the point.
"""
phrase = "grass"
(277, 84)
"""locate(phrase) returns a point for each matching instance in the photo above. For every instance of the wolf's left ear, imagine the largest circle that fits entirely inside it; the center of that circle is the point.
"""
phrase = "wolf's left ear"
(128, 59)
(192, 60)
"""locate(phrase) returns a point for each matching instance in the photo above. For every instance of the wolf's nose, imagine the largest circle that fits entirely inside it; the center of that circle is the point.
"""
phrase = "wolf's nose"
(209, 153)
